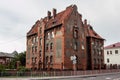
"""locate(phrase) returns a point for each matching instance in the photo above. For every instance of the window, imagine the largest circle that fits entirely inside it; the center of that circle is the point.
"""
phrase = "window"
(101, 61)
(32, 59)
(116, 51)
(47, 47)
(107, 52)
(98, 61)
(48, 35)
(40, 41)
(33, 40)
(52, 34)
(40, 53)
(40, 30)
(98, 51)
(75, 46)
(51, 46)
(35, 48)
(32, 49)
(108, 60)
(94, 61)
(83, 47)
(37, 39)
(51, 59)
(46, 59)
(110, 52)
(35, 59)
(75, 34)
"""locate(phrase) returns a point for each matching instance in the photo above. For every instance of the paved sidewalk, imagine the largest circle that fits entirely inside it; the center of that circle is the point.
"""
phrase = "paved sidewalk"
(55, 77)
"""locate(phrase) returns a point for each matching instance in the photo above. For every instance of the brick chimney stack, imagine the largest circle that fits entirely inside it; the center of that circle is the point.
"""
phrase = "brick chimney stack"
(49, 15)
(85, 22)
(54, 12)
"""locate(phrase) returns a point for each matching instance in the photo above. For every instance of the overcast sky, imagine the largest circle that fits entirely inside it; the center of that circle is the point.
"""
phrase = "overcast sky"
(18, 16)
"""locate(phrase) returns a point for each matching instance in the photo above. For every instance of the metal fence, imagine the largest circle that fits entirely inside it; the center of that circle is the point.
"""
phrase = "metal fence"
(53, 73)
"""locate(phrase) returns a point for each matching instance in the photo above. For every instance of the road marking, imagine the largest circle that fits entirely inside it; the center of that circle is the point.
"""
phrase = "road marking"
(107, 78)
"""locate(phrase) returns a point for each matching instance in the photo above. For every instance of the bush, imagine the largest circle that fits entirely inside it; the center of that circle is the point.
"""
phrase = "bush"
(2, 68)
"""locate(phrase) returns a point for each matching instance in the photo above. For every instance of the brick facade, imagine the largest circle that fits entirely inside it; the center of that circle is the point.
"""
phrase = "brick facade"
(54, 39)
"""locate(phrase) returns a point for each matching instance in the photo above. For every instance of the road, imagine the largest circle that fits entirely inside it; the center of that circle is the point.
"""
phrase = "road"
(115, 76)
(103, 77)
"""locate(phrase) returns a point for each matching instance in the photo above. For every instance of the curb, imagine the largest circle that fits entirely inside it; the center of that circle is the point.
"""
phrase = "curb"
(78, 76)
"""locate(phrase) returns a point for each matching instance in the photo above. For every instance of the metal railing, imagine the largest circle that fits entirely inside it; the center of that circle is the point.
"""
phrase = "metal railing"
(54, 73)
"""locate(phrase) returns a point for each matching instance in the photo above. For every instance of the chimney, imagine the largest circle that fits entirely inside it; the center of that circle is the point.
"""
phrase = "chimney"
(81, 16)
(54, 12)
(85, 21)
(49, 15)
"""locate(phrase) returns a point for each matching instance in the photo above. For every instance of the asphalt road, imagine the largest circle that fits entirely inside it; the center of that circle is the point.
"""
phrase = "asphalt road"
(115, 76)
(103, 77)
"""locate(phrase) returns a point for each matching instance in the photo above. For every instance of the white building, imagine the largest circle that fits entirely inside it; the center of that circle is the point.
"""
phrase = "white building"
(112, 55)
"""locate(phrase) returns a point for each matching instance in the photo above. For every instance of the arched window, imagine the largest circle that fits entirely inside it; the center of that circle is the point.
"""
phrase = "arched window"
(40, 41)
(94, 61)
(48, 35)
(46, 60)
(40, 30)
(75, 34)
(40, 53)
(51, 59)
(53, 35)
(51, 46)
(47, 47)
(75, 46)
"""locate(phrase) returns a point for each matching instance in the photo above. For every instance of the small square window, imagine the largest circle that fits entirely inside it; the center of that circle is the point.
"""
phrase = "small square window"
(107, 52)
(108, 60)
(116, 51)
(110, 52)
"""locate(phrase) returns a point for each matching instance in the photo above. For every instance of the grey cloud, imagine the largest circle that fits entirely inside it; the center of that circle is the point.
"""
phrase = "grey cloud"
(18, 16)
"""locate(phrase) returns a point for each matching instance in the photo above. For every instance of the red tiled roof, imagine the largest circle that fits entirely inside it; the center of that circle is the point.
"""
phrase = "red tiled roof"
(59, 17)
(115, 45)
(92, 33)
(53, 21)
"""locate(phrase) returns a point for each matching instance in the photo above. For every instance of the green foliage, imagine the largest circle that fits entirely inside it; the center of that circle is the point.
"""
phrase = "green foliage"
(2, 68)
(18, 57)
(22, 58)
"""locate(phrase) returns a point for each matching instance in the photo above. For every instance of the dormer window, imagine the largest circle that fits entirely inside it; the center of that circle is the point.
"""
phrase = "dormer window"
(113, 45)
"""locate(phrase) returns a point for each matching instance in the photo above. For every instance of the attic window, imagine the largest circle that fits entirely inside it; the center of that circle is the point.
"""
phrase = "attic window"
(113, 45)
(91, 28)
(95, 34)
(54, 22)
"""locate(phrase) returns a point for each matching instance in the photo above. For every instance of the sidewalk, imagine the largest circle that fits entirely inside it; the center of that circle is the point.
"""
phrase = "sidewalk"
(56, 77)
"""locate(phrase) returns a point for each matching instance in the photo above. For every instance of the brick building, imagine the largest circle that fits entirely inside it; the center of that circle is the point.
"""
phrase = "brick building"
(5, 58)
(55, 39)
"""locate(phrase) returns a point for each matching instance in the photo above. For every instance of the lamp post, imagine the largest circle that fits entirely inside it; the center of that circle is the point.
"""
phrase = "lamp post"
(74, 61)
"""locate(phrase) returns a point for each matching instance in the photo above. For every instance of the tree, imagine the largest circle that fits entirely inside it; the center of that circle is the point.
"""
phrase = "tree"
(22, 58)
(18, 57)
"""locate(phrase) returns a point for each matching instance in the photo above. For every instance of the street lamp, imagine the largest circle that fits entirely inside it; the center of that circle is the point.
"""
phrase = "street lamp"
(74, 61)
